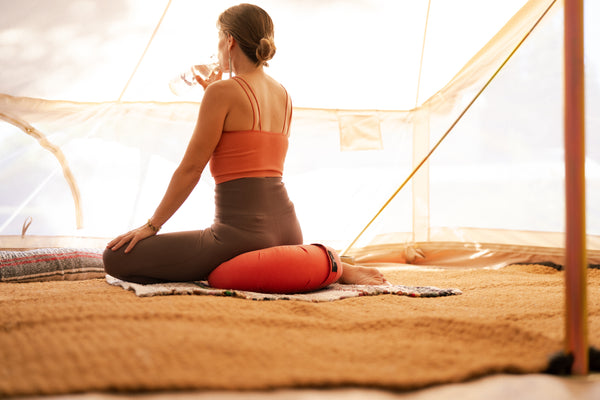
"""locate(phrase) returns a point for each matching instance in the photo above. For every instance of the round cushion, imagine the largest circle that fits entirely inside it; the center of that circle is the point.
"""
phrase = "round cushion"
(279, 269)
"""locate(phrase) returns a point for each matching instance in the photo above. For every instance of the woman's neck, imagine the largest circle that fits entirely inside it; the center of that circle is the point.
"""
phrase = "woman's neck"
(243, 66)
(248, 71)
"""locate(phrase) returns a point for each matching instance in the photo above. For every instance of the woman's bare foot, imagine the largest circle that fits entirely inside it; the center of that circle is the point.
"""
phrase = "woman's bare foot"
(355, 275)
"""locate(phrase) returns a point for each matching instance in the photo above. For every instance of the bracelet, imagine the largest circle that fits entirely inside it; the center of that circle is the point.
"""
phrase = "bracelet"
(154, 228)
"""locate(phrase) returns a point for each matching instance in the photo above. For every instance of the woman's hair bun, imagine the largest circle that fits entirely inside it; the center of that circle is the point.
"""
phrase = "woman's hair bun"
(265, 50)
(253, 30)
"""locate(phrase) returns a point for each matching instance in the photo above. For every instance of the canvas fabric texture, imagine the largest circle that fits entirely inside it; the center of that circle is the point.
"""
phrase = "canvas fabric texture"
(402, 135)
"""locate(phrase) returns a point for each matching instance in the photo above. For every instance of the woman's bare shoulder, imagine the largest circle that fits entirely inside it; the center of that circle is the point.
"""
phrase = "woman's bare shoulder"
(222, 91)
(222, 86)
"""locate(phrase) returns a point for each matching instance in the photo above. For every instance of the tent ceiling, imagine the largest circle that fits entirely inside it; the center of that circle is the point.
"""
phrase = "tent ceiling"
(353, 54)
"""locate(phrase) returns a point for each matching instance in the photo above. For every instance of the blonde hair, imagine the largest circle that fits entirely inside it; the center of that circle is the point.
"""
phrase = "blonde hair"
(252, 28)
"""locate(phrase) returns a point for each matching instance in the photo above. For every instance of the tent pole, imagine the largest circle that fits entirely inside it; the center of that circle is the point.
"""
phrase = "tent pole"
(162, 17)
(576, 340)
(422, 54)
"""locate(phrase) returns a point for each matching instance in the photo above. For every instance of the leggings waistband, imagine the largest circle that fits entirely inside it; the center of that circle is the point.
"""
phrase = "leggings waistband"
(251, 196)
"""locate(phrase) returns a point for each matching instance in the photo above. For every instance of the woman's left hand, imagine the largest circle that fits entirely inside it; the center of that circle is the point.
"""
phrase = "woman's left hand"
(132, 237)
(214, 76)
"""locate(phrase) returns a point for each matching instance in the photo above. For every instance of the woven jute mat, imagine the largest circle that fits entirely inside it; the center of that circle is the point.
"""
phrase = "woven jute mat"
(81, 336)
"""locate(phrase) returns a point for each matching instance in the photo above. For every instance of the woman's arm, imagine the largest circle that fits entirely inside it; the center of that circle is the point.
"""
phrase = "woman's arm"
(200, 148)
(206, 135)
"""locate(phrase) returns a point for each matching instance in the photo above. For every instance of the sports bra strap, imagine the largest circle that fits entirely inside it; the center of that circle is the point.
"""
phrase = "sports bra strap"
(286, 121)
(246, 86)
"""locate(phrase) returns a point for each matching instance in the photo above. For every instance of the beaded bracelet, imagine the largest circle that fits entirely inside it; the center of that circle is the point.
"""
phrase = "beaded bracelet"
(154, 228)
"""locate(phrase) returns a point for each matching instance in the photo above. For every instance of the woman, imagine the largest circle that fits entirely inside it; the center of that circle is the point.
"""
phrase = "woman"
(242, 129)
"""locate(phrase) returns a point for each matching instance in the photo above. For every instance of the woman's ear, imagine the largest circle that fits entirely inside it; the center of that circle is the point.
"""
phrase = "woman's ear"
(231, 43)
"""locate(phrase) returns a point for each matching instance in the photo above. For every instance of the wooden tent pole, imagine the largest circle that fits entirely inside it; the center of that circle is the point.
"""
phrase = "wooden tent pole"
(576, 340)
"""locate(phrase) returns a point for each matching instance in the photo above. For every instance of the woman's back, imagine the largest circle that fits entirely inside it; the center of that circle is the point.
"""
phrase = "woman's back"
(257, 102)
(254, 140)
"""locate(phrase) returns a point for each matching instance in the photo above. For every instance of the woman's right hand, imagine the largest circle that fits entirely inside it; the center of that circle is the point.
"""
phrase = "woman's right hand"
(132, 237)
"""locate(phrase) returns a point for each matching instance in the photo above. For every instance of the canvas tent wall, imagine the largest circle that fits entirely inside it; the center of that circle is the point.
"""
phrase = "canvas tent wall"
(502, 164)
(493, 186)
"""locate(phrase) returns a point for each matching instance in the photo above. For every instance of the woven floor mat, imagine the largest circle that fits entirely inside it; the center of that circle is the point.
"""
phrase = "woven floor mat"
(86, 336)
(332, 292)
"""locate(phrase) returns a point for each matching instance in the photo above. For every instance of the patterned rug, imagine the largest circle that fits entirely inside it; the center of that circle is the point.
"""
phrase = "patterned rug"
(332, 292)
(51, 264)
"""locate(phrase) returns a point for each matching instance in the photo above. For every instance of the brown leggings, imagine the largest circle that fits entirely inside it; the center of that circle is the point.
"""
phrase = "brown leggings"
(250, 214)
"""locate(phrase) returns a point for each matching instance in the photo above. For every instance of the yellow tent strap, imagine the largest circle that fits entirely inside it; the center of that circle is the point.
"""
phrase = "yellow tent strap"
(424, 160)
(145, 51)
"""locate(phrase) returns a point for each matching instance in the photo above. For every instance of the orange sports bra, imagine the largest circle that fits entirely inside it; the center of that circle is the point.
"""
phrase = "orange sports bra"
(251, 153)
